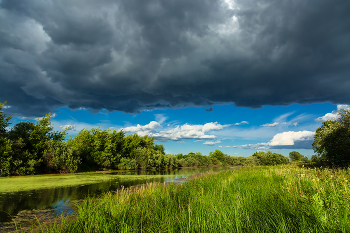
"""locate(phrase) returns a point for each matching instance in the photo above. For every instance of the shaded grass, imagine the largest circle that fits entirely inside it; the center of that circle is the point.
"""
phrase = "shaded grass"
(260, 199)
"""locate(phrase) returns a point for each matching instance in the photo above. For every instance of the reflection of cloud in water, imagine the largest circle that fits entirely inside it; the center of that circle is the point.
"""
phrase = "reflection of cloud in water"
(59, 199)
(63, 207)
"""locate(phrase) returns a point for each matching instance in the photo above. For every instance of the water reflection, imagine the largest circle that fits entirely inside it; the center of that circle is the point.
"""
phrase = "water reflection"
(60, 199)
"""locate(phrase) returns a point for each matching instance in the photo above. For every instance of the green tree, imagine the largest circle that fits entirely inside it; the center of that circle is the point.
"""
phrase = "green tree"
(332, 140)
(22, 130)
(315, 158)
(5, 144)
(159, 147)
(39, 136)
(218, 154)
(97, 148)
(258, 153)
(270, 158)
(179, 156)
(295, 156)
(4, 121)
(59, 157)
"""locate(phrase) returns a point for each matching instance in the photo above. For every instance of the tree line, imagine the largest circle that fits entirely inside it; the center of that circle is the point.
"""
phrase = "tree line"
(34, 148)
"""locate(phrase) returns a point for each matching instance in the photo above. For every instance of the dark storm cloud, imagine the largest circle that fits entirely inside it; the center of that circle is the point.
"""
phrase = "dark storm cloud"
(136, 55)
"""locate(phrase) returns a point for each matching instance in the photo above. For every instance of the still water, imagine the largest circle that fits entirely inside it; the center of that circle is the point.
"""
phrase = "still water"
(59, 199)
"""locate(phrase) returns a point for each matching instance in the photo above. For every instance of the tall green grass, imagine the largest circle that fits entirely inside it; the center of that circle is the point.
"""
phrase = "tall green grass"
(259, 199)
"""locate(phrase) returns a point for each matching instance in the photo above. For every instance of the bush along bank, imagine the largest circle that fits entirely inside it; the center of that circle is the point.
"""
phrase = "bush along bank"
(250, 199)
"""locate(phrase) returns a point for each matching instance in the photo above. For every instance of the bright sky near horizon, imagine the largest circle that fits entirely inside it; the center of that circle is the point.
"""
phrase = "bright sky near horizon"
(199, 75)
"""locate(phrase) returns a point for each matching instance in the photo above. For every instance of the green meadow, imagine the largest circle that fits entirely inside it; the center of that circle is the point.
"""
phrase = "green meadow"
(251, 199)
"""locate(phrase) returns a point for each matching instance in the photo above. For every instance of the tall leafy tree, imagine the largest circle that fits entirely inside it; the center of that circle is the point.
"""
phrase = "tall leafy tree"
(43, 132)
(5, 143)
(332, 140)
(4, 121)
(218, 154)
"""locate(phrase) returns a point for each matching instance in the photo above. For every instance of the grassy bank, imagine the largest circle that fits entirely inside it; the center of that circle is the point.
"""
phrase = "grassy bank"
(26, 183)
(260, 199)
(48, 181)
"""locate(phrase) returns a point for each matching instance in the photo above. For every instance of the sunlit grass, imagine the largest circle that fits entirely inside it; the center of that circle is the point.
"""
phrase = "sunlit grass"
(47, 181)
(26, 183)
(260, 199)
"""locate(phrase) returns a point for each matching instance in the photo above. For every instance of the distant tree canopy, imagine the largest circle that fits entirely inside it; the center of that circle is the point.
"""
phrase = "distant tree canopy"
(32, 148)
(295, 156)
(332, 140)
(270, 158)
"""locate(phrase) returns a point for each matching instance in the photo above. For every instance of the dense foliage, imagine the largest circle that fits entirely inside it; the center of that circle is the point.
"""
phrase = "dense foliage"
(34, 148)
(296, 156)
(332, 140)
(270, 158)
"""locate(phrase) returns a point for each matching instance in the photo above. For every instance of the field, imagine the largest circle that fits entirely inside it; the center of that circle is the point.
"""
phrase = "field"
(251, 199)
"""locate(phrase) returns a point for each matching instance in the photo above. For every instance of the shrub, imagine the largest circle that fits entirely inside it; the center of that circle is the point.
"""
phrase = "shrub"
(295, 156)
(215, 161)
(250, 161)
(188, 162)
(270, 158)
(219, 155)
(128, 164)
(59, 157)
(98, 149)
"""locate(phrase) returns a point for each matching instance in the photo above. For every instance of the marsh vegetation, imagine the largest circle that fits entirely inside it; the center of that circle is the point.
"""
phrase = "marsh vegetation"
(251, 199)
(49, 196)
(278, 198)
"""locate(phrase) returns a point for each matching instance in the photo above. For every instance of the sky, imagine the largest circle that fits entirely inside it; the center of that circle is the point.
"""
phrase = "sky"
(199, 75)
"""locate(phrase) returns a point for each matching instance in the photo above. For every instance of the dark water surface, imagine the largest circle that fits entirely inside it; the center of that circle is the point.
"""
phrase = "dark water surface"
(59, 199)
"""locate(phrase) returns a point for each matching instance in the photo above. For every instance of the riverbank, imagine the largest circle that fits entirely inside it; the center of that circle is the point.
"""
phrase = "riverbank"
(25, 183)
(259, 199)
(22, 208)
(44, 181)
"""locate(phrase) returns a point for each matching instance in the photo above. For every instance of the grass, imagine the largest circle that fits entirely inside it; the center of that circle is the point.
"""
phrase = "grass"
(260, 199)
(26, 183)
(46, 181)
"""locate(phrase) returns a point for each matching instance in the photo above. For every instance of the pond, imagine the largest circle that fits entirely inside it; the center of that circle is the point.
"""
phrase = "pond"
(52, 201)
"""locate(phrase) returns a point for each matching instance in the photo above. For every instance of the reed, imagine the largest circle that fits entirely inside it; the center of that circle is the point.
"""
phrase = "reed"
(250, 199)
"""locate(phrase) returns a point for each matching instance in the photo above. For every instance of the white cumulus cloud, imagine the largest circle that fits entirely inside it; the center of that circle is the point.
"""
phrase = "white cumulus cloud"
(53, 115)
(177, 133)
(342, 106)
(289, 138)
(332, 115)
(285, 140)
(270, 125)
(71, 127)
(211, 143)
(242, 123)
(143, 129)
